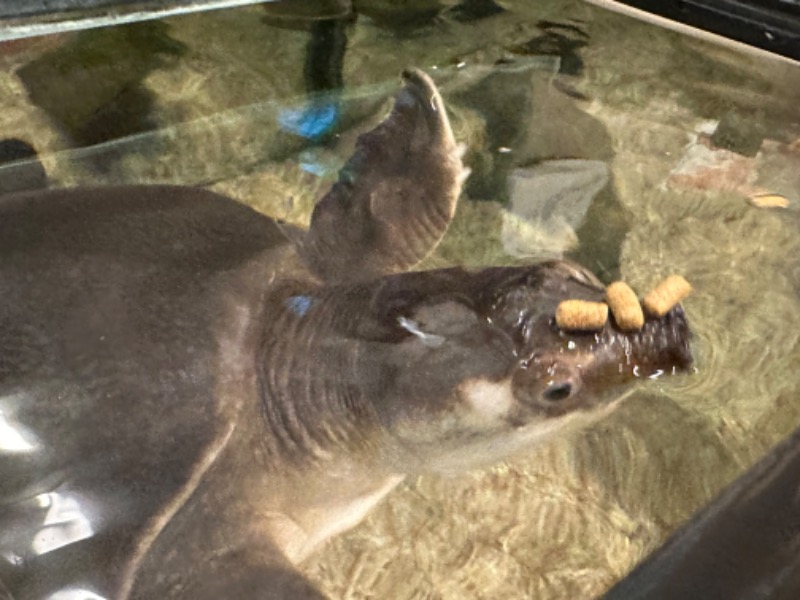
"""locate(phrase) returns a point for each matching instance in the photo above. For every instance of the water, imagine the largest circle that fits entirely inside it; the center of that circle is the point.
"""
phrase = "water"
(215, 103)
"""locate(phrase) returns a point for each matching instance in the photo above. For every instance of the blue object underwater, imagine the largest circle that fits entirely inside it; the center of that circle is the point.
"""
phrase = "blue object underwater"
(312, 121)
(299, 304)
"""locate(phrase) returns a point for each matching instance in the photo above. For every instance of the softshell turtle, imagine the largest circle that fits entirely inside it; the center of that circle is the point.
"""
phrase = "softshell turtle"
(193, 397)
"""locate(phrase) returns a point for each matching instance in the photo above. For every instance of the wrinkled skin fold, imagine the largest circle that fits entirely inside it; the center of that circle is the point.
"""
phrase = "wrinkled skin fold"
(194, 397)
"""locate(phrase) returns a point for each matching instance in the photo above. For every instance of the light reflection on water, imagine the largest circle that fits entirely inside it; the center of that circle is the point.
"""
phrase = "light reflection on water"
(64, 523)
(14, 438)
(74, 593)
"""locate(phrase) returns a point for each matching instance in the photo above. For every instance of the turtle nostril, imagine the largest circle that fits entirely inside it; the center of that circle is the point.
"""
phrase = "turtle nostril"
(558, 392)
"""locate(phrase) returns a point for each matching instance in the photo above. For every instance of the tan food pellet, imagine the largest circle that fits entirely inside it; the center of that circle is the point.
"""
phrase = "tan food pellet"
(625, 306)
(581, 315)
(768, 201)
(665, 295)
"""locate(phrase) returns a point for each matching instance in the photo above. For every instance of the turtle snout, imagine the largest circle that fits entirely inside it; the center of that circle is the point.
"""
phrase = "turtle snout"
(662, 344)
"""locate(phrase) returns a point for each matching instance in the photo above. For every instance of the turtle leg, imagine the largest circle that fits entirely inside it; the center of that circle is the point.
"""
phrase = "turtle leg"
(245, 568)
(235, 576)
(396, 195)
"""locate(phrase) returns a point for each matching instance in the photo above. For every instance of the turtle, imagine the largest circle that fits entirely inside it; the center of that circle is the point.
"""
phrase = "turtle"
(194, 396)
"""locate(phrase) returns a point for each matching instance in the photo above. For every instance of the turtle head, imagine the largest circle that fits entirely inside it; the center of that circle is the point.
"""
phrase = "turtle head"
(480, 370)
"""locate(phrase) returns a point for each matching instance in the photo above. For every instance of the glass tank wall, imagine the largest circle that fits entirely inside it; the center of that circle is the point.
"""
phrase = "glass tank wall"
(632, 149)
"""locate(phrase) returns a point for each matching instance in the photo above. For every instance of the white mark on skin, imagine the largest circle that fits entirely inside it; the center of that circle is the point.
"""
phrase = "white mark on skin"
(503, 441)
(428, 339)
(489, 399)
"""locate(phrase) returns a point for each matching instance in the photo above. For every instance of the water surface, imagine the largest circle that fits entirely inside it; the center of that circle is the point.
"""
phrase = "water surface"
(687, 132)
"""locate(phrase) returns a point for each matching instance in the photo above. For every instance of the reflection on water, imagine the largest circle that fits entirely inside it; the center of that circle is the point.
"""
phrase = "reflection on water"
(548, 204)
(64, 523)
(43, 524)
(75, 593)
(685, 130)
(14, 437)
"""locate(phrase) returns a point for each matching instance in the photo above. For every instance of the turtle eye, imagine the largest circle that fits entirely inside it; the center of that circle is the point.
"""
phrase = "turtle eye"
(558, 392)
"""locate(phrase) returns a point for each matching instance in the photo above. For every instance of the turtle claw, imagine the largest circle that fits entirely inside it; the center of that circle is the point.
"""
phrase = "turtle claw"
(396, 195)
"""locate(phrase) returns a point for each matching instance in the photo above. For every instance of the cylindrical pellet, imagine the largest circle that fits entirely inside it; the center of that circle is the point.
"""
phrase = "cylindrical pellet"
(660, 300)
(766, 200)
(581, 315)
(624, 306)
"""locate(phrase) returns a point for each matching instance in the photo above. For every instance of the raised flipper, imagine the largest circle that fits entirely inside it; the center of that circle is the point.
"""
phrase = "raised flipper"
(395, 196)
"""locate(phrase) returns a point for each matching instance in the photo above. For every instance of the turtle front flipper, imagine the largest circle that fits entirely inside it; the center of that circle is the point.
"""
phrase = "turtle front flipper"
(244, 567)
(396, 195)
